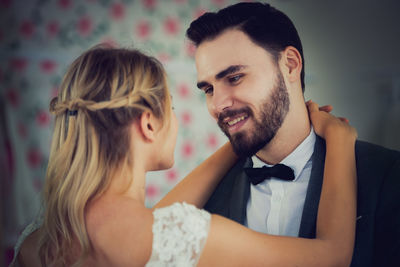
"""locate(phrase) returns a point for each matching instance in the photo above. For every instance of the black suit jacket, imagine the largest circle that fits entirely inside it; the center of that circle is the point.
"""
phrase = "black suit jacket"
(378, 201)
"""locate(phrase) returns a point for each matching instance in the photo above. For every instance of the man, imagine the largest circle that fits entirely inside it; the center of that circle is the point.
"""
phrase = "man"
(250, 65)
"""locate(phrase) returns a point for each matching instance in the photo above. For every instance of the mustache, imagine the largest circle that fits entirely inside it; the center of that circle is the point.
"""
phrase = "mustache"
(231, 113)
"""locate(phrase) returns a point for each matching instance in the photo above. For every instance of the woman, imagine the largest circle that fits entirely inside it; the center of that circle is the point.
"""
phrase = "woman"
(114, 122)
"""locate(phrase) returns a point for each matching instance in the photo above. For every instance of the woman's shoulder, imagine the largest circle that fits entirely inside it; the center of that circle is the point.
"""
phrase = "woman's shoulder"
(120, 230)
(27, 255)
(25, 250)
(105, 210)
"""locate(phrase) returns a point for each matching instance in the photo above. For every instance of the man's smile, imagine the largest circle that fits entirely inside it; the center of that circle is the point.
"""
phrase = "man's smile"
(232, 121)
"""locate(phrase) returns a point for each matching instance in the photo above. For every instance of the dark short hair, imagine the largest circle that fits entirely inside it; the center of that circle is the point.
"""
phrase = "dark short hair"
(265, 26)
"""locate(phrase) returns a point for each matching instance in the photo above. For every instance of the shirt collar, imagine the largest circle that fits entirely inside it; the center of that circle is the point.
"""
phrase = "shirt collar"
(298, 158)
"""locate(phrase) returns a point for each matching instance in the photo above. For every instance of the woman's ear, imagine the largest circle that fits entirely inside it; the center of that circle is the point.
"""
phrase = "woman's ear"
(292, 60)
(148, 125)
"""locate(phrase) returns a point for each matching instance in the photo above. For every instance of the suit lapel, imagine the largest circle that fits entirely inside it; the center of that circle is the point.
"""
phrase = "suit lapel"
(240, 194)
(310, 211)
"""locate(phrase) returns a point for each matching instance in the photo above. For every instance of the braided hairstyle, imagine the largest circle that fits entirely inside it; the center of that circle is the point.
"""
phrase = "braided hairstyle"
(102, 93)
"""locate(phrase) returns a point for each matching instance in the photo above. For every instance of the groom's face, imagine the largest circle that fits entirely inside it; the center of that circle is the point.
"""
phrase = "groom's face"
(244, 88)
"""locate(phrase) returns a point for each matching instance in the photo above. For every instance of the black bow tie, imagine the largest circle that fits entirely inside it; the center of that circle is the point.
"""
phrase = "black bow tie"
(280, 171)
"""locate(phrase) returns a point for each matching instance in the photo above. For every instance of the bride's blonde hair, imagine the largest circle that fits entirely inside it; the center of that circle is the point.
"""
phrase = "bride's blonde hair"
(102, 93)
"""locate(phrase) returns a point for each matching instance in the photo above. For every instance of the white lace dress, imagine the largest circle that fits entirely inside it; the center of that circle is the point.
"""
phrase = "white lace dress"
(179, 234)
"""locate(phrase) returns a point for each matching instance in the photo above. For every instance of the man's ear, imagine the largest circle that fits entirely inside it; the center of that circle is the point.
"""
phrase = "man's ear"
(293, 63)
(147, 125)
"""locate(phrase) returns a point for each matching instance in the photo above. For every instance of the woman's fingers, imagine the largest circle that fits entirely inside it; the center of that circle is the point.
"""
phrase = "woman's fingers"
(322, 120)
(327, 108)
(312, 106)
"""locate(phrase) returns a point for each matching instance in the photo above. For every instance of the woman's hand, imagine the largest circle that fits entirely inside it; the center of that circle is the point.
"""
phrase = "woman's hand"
(328, 126)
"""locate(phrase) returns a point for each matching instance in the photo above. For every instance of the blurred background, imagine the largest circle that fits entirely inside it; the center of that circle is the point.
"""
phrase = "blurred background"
(352, 61)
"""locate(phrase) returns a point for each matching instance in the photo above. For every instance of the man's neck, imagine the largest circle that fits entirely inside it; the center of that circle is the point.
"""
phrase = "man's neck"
(289, 136)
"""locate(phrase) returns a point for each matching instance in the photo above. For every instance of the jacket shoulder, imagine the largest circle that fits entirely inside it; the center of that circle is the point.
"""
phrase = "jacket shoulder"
(378, 173)
(363, 146)
(376, 155)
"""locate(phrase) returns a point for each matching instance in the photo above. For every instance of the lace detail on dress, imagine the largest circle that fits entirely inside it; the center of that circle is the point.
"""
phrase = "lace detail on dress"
(179, 234)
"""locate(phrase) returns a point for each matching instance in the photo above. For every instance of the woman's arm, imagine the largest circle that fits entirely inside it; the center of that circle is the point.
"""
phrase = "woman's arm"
(198, 185)
(230, 244)
(336, 219)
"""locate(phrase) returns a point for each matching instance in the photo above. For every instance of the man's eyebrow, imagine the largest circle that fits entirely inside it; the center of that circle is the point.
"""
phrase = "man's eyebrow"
(222, 74)
(201, 85)
(229, 70)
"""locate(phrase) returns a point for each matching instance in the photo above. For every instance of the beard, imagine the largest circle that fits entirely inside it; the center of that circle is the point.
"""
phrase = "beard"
(272, 114)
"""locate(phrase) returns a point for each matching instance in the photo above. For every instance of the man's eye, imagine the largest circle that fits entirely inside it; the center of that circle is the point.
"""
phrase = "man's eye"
(208, 90)
(235, 79)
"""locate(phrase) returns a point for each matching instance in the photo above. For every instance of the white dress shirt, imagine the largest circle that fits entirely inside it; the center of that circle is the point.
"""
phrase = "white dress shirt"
(275, 206)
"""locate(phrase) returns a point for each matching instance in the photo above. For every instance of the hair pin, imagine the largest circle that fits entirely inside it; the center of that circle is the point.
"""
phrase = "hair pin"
(72, 112)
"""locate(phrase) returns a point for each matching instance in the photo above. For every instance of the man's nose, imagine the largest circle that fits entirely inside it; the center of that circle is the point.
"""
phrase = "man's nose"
(221, 99)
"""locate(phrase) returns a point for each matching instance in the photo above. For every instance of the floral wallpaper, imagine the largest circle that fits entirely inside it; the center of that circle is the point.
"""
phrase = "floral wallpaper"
(38, 39)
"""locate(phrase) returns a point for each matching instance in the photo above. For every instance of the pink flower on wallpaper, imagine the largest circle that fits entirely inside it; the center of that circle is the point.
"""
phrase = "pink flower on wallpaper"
(163, 57)
(13, 97)
(54, 92)
(212, 141)
(85, 26)
(171, 26)
(190, 49)
(52, 28)
(64, 4)
(42, 118)
(27, 29)
(109, 41)
(149, 4)
(117, 11)
(152, 191)
(143, 29)
(186, 117)
(18, 64)
(34, 157)
(22, 130)
(171, 175)
(218, 2)
(198, 12)
(187, 149)
(183, 90)
(48, 66)
(5, 3)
